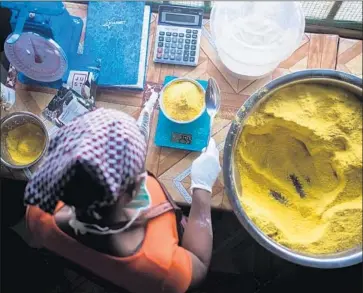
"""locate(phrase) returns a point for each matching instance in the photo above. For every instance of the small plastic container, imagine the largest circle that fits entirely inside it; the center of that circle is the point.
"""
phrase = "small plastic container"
(253, 38)
(7, 97)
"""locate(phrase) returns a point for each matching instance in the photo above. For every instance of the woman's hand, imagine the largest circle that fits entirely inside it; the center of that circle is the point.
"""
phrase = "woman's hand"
(198, 234)
(205, 168)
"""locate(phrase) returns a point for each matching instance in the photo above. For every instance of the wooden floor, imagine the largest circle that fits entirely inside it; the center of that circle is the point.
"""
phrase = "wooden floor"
(172, 166)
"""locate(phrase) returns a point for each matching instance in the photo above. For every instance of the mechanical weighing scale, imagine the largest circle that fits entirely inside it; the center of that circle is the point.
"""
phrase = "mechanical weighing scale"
(43, 45)
(191, 136)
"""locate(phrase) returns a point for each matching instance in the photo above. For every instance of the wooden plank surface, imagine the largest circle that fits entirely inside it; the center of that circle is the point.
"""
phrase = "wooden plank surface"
(330, 49)
(349, 57)
(172, 166)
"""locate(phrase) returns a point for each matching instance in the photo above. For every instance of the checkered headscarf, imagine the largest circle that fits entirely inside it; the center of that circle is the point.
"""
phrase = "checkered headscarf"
(90, 163)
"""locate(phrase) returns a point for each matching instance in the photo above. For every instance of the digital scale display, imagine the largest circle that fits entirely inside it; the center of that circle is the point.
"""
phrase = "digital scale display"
(181, 138)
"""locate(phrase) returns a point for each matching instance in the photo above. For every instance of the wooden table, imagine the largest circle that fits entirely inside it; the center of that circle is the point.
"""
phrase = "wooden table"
(172, 166)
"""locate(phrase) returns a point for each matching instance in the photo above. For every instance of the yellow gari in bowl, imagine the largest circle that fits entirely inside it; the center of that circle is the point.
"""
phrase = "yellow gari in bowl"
(24, 140)
(299, 158)
(183, 100)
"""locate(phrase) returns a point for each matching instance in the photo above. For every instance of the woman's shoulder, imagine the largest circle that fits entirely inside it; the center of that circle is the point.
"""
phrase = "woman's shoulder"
(35, 214)
(155, 190)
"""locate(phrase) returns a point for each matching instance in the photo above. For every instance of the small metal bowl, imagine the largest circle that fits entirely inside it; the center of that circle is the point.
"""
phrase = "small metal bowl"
(15, 120)
(233, 186)
(170, 83)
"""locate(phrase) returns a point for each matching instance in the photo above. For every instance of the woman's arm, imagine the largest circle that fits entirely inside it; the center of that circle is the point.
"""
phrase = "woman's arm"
(146, 113)
(198, 234)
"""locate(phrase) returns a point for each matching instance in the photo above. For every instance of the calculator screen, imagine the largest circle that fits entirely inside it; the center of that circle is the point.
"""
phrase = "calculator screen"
(175, 15)
(181, 18)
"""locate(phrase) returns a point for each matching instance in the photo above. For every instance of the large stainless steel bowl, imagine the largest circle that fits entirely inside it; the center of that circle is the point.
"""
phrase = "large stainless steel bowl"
(231, 177)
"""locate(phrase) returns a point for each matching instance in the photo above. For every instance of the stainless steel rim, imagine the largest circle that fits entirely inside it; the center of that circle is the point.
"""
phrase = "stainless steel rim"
(24, 113)
(324, 262)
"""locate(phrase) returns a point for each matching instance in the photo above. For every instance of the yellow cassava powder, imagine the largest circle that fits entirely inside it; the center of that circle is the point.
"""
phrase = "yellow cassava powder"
(300, 161)
(183, 101)
(25, 143)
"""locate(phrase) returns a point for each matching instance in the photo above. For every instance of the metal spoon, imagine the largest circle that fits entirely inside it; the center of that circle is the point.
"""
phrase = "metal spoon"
(212, 101)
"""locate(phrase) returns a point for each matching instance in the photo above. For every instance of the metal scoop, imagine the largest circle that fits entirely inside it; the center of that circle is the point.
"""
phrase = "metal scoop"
(212, 101)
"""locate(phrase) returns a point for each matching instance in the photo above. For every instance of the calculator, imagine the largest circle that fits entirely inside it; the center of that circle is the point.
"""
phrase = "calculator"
(178, 34)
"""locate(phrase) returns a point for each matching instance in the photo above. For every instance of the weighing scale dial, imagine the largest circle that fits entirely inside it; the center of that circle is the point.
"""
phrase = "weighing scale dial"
(38, 58)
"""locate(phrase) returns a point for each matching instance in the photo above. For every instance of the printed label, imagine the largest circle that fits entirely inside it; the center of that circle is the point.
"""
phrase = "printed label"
(77, 79)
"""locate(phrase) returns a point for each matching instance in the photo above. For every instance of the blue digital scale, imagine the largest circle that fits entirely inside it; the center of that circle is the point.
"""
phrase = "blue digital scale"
(192, 136)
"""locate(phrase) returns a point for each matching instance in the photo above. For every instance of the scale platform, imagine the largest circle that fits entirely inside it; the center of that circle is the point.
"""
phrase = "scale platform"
(192, 136)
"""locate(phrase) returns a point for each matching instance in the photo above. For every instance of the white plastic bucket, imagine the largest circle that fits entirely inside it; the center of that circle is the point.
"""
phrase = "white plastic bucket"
(253, 38)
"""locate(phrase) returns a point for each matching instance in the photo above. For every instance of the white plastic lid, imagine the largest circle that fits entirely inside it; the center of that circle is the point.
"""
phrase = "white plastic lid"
(257, 33)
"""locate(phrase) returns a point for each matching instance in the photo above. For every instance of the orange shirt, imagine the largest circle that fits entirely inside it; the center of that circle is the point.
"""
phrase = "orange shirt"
(160, 265)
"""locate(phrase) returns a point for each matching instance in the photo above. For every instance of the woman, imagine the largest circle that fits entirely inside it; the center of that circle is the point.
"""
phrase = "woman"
(92, 202)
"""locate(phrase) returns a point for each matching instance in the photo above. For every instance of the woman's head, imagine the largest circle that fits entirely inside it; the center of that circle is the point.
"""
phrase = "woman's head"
(92, 163)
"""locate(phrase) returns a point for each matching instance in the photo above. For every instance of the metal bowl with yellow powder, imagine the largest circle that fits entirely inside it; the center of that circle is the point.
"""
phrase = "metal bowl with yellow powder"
(293, 167)
(24, 140)
(182, 100)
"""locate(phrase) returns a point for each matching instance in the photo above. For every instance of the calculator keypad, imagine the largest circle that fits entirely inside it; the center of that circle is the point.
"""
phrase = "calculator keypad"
(179, 47)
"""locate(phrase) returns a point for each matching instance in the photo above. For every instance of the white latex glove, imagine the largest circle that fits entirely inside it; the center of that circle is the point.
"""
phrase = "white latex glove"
(206, 167)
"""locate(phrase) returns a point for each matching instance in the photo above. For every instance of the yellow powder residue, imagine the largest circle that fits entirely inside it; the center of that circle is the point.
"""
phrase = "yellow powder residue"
(300, 162)
(25, 143)
(183, 101)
